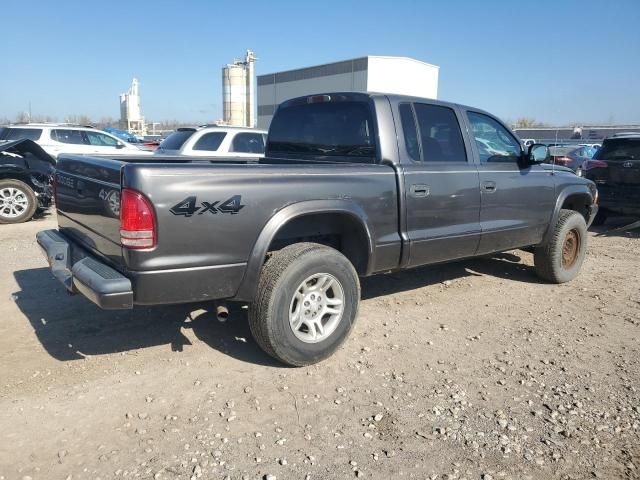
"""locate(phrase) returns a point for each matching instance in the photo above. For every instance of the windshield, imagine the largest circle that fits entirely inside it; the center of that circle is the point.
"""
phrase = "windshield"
(619, 149)
(176, 140)
(332, 129)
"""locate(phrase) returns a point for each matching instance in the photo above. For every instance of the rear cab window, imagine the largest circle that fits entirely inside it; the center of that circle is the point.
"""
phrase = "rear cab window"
(11, 133)
(330, 129)
(176, 139)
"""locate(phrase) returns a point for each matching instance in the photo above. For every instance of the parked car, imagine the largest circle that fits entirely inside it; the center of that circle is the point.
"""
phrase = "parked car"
(352, 184)
(64, 138)
(25, 180)
(615, 168)
(214, 141)
(570, 156)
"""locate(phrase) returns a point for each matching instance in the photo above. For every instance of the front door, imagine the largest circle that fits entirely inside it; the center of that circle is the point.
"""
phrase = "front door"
(441, 185)
(517, 199)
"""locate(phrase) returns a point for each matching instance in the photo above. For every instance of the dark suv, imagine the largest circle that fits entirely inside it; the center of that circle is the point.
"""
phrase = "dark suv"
(615, 168)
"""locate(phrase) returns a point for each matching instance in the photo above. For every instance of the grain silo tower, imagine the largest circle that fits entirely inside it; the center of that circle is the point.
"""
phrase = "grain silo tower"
(238, 92)
(131, 118)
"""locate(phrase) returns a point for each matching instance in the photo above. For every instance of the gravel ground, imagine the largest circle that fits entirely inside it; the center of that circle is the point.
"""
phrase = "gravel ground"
(470, 370)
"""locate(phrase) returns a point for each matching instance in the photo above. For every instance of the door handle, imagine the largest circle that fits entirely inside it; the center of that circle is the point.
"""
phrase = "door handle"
(489, 187)
(419, 190)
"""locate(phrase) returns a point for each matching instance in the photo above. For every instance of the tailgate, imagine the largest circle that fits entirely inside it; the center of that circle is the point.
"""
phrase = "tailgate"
(623, 172)
(88, 203)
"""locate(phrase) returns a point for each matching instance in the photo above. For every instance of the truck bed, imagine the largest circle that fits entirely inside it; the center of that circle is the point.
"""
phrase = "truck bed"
(209, 215)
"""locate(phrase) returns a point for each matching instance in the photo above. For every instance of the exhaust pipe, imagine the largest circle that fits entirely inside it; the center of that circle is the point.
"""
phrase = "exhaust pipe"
(222, 312)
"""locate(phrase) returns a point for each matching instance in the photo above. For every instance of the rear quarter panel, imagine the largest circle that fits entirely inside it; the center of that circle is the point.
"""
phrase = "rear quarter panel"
(215, 234)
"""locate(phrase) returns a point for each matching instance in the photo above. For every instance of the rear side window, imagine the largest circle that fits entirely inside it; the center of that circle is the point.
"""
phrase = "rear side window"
(440, 134)
(329, 129)
(210, 141)
(176, 139)
(68, 136)
(245, 142)
(410, 133)
(20, 133)
(619, 149)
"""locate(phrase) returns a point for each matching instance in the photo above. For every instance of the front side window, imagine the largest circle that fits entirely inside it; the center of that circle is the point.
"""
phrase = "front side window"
(248, 143)
(101, 140)
(210, 142)
(20, 133)
(494, 142)
(74, 137)
(440, 134)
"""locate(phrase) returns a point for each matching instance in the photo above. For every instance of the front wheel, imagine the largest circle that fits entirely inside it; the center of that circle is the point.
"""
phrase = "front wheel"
(559, 260)
(307, 303)
(18, 203)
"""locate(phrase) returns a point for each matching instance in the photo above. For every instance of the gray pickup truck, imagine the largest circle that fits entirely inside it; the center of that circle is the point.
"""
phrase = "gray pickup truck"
(351, 185)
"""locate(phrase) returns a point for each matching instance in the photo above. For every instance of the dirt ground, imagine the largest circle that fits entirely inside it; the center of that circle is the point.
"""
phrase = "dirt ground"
(471, 370)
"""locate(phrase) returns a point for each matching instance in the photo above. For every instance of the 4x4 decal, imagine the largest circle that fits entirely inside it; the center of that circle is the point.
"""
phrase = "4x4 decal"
(189, 206)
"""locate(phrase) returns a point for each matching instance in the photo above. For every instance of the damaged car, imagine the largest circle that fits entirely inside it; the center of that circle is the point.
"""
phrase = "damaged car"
(26, 171)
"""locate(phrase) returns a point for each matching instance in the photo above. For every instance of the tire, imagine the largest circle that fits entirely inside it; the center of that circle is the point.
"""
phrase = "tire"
(286, 283)
(560, 259)
(600, 218)
(18, 203)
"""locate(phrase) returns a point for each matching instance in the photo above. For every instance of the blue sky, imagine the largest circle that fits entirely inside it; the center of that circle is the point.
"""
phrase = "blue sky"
(557, 61)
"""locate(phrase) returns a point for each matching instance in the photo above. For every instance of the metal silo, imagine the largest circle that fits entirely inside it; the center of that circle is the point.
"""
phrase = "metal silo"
(238, 93)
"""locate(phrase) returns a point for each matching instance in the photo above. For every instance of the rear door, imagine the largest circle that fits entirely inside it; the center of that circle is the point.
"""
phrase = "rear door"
(441, 184)
(517, 199)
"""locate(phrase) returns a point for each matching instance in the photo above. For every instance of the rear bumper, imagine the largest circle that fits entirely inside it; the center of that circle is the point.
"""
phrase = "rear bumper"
(81, 272)
(101, 284)
(622, 199)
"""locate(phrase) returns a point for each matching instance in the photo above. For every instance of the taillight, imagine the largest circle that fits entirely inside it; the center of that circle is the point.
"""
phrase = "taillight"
(561, 160)
(137, 221)
(589, 164)
(54, 185)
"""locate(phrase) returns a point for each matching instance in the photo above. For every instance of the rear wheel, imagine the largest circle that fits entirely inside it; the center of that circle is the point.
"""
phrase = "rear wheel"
(18, 203)
(559, 260)
(307, 303)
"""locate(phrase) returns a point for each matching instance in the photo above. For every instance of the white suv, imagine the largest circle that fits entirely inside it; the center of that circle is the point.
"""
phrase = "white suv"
(64, 138)
(214, 141)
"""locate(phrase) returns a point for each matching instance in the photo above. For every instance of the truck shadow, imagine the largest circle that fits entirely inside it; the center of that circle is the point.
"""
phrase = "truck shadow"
(627, 227)
(71, 327)
(502, 265)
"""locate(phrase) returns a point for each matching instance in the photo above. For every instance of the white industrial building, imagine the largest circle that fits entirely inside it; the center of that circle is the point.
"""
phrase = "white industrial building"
(131, 118)
(238, 92)
(401, 75)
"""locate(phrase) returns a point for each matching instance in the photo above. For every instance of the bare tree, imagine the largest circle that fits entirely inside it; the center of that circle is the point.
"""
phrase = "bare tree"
(22, 117)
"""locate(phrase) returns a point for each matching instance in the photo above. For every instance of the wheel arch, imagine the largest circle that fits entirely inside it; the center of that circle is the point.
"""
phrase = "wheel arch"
(574, 197)
(295, 219)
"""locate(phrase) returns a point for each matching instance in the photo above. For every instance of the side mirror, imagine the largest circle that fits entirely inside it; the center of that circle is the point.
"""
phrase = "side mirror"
(538, 153)
(119, 145)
